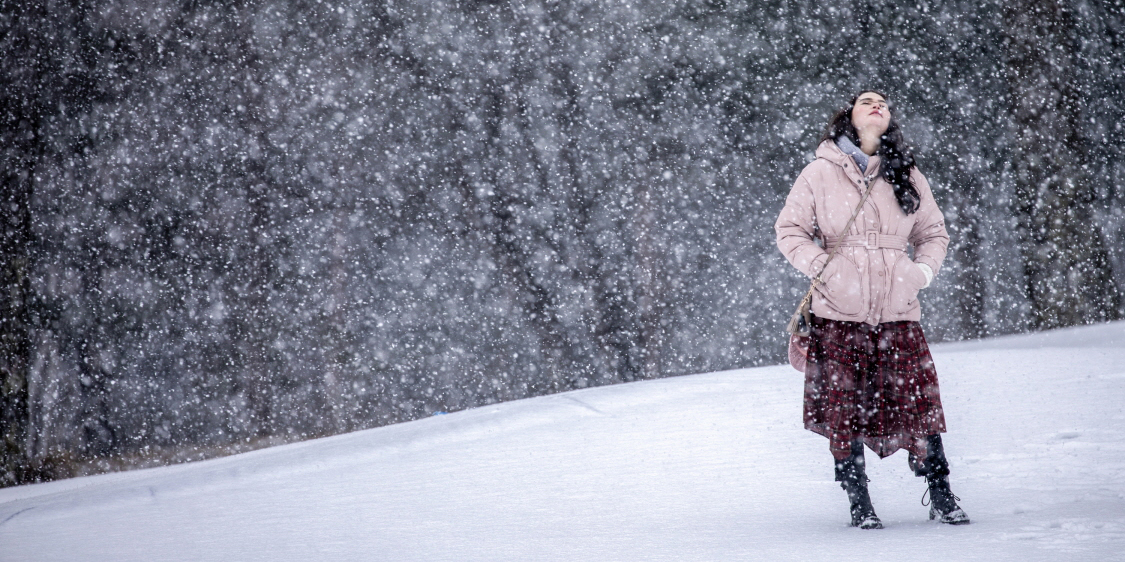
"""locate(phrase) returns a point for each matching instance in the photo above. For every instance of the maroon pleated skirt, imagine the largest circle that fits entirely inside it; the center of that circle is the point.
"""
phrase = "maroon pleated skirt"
(875, 383)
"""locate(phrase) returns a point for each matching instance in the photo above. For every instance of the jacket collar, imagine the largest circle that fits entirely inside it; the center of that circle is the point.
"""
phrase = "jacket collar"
(832, 153)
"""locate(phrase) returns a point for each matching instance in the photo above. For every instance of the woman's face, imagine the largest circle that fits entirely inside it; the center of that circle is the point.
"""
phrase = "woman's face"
(870, 114)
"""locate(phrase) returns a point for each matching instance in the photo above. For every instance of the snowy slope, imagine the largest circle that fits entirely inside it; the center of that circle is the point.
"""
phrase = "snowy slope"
(705, 467)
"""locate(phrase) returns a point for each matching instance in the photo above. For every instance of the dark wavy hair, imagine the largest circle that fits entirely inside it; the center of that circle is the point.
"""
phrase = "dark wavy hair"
(896, 159)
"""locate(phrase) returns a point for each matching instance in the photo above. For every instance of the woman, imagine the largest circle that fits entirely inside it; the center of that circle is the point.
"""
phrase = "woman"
(869, 377)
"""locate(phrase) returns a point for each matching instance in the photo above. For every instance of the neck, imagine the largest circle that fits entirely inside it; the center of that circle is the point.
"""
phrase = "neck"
(869, 144)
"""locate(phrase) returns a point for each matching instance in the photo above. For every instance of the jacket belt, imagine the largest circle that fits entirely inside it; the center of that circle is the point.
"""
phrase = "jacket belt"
(872, 239)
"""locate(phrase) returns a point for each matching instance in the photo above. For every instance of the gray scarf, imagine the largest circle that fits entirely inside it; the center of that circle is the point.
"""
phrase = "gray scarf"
(852, 150)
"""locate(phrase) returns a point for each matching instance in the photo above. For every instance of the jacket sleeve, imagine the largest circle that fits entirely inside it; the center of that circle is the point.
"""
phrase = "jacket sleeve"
(928, 235)
(795, 227)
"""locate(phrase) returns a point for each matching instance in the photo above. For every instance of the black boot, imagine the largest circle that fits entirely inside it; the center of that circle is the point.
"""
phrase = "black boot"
(852, 476)
(935, 468)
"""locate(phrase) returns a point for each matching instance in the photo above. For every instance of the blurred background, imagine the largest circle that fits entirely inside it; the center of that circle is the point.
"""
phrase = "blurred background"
(234, 224)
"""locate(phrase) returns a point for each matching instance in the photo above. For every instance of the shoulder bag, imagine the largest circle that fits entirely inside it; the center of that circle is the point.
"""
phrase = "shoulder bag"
(800, 325)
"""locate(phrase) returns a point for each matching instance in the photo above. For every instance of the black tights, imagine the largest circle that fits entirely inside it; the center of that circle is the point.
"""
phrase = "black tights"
(934, 465)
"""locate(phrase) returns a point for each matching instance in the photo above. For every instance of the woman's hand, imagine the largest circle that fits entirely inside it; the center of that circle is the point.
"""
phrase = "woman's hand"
(929, 273)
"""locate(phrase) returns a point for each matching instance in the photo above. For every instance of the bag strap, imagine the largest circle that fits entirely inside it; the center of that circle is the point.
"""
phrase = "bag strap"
(869, 182)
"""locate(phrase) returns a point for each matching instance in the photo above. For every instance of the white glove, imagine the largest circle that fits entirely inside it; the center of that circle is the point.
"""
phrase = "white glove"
(929, 273)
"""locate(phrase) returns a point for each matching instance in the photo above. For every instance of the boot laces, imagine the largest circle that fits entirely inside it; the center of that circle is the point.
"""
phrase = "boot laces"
(927, 493)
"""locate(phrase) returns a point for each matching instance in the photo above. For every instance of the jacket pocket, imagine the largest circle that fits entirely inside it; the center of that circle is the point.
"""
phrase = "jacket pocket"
(906, 281)
(842, 289)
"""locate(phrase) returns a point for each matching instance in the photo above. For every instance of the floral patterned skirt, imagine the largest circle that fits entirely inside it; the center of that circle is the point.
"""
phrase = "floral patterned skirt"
(877, 384)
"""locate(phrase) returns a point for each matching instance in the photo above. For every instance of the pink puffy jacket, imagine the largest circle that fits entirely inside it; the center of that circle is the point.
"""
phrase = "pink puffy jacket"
(872, 278)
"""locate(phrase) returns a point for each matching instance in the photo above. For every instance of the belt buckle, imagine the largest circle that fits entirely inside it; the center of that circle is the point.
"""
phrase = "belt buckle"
(871, 241)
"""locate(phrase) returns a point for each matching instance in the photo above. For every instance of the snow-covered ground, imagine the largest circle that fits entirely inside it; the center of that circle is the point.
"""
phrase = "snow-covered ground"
(706, 467)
